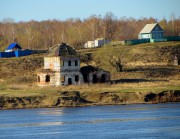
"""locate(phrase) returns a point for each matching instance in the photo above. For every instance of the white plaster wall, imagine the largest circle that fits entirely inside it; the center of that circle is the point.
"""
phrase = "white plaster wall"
(52, 63)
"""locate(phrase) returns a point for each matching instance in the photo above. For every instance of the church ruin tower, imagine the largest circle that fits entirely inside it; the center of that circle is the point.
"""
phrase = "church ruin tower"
(61, 67)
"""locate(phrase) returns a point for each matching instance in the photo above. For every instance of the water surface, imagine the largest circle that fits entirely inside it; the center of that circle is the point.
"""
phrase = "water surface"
(104, 122)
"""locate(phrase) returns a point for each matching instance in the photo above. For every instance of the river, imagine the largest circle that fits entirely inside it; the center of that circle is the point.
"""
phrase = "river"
(145, 121)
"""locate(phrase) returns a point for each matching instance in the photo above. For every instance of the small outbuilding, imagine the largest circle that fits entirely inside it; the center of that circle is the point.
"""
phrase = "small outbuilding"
(95, 75)
(96, 43)
(13, 47)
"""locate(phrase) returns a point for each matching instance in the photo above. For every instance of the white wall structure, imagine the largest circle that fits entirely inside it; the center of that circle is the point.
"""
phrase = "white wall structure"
(61, 67)
(96, 43)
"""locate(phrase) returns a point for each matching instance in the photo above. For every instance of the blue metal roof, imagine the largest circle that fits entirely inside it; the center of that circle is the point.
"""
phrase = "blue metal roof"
(12, 45)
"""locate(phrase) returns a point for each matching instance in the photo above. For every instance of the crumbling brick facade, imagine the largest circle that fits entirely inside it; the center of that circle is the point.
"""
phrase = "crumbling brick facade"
(62, 67)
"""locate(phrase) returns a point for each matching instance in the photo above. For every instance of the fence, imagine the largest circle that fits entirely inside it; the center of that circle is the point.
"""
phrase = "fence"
(173, 38)
(136, 41)
(15, 53)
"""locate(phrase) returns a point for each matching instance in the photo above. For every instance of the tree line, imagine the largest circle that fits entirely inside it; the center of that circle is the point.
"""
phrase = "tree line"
(75, 32)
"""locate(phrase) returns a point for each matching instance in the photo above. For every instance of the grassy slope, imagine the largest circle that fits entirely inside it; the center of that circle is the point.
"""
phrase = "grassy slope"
(145, 61)
(27, 90)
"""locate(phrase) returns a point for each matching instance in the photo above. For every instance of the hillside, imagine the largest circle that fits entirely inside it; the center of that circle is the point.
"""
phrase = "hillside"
(148, 77)
(139, 62)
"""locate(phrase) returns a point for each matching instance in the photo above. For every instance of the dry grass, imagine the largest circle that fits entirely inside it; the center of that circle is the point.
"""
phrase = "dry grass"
(125, 87)
(18, 74)
(27, 90)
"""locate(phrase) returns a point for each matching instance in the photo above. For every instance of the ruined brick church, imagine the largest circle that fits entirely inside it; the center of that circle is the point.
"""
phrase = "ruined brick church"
(62, 67)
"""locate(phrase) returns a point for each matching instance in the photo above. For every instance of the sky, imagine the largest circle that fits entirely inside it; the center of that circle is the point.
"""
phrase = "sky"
(26, 10)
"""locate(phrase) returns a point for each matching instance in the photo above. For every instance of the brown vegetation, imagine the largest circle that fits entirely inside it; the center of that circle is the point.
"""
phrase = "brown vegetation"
(145, 61)
(148, 77)
(44, 34)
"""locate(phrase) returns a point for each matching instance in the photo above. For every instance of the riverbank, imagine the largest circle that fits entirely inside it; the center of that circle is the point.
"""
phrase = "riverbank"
(77, 99)
(19, 96)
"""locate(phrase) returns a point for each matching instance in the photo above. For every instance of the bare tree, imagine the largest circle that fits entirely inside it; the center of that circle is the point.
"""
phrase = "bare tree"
(116, 62)
(30, 36)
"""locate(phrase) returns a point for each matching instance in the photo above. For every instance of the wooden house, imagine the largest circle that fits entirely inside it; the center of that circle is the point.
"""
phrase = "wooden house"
(154, 32)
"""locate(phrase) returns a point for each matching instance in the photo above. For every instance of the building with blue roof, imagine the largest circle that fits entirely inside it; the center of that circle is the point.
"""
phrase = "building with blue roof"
(15, 50)
(13, 47)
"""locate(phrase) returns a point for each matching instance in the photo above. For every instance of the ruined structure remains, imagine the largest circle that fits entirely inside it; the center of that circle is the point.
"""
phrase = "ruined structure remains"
(94, 75)
(62, 67)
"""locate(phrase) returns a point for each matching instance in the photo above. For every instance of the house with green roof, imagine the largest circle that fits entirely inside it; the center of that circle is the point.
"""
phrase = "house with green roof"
(154, 32)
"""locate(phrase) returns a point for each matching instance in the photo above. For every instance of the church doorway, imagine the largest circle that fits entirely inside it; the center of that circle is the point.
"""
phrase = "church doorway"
(69, 81)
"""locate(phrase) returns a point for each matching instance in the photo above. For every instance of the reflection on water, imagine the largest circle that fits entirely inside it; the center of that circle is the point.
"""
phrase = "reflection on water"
(91, 121)
(52, 112)
(32, 124)
(123, 121)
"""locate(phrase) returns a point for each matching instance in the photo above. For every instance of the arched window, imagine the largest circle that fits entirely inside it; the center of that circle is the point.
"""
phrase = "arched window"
(69, 81)
(47, 78)
(76, 63)
(77, 78)
(69, 63)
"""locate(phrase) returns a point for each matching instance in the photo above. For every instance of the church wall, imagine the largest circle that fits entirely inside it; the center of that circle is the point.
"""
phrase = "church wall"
(46, 79)
(52, 63)
(98, 75)
(70, 64)
(68, 78)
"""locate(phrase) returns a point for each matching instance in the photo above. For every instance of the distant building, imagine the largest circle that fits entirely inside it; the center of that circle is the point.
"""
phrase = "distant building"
(100, 42)
(62, 67)
(154, 32)
(14, 50)
(89, 44)
(96, 43)
(13, 47)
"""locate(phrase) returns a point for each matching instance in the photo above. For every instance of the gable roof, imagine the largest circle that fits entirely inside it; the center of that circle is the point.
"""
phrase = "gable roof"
(149, 27)
(13, 45)
(61, 50)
